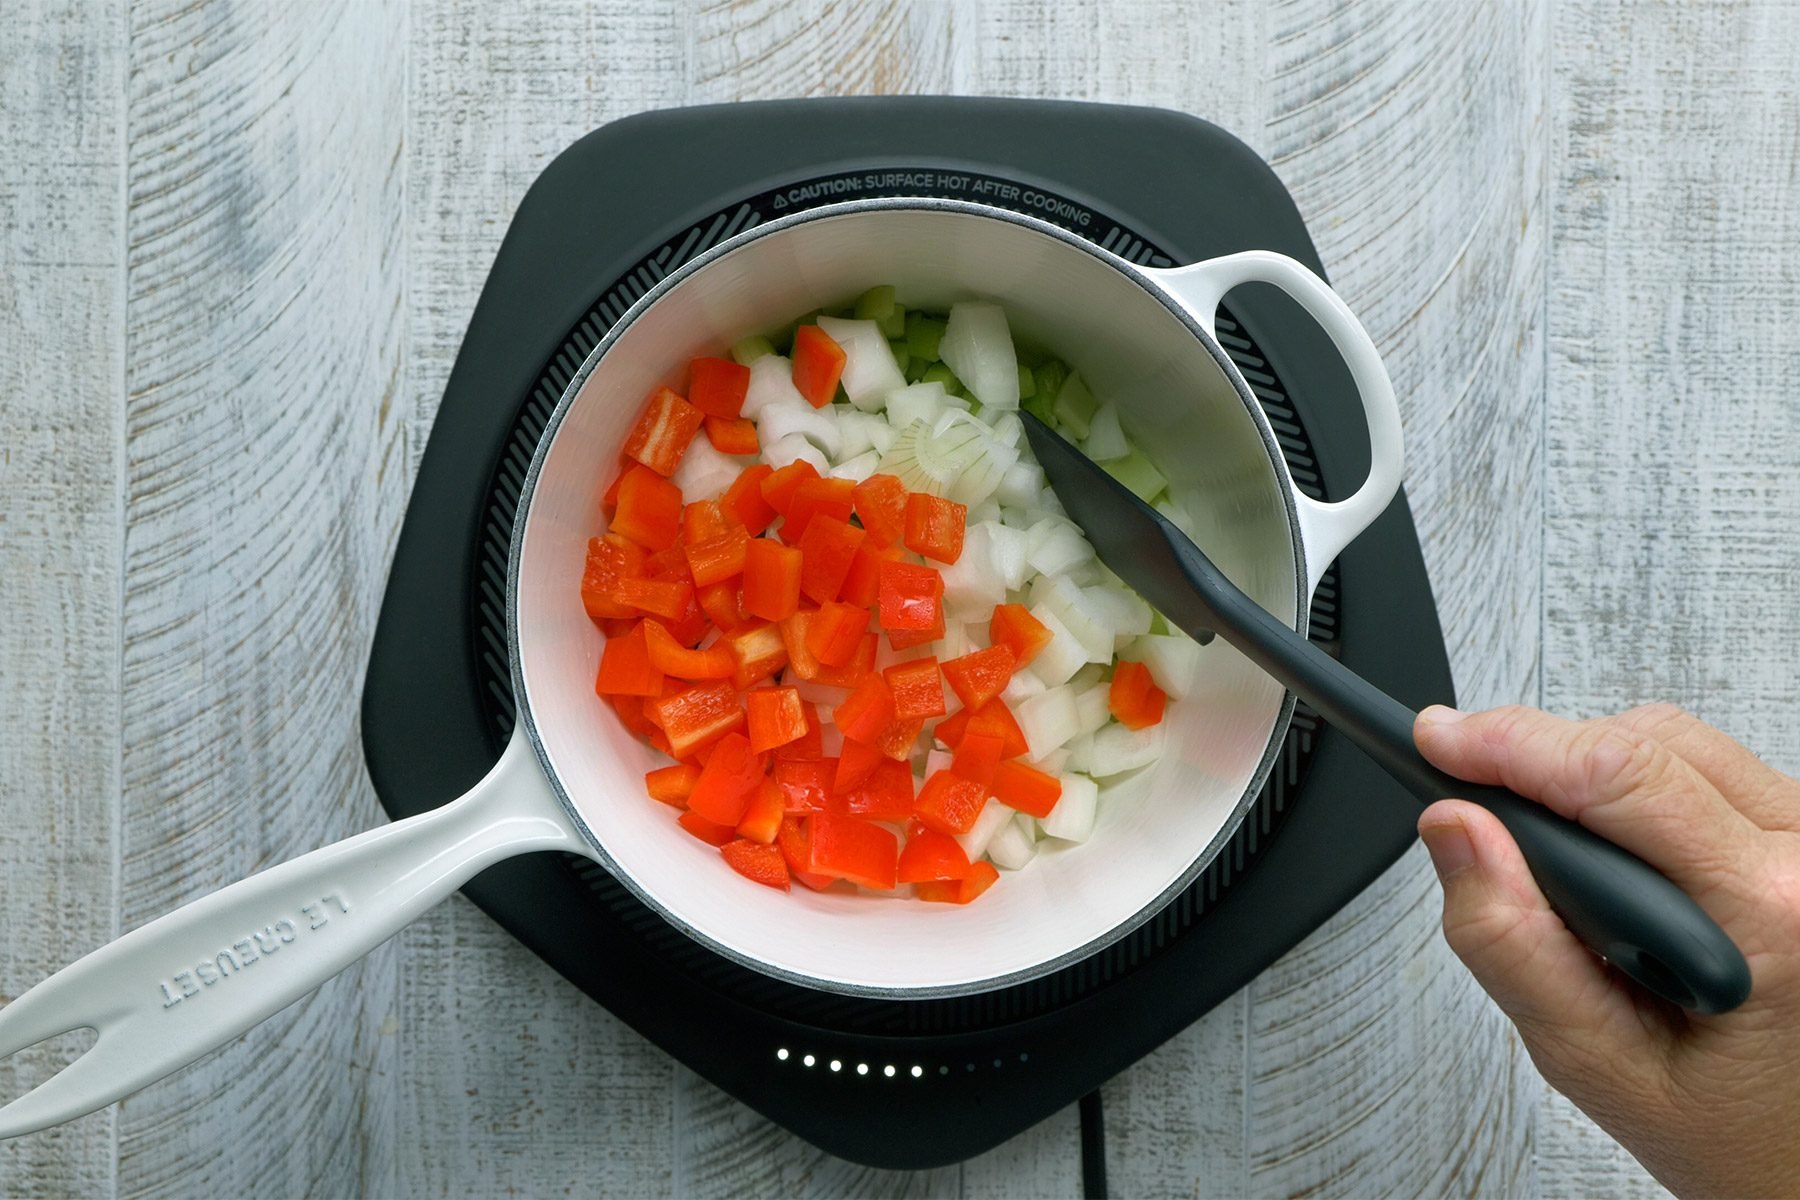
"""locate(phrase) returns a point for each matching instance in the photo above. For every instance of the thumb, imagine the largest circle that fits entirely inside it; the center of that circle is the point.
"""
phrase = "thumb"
(1566, 1005)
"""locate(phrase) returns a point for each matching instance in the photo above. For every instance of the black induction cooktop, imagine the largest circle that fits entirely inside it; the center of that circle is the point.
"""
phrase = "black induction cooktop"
(888, 1083)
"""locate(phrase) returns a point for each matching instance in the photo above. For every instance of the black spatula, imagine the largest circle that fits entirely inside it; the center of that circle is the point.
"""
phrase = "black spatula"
(1620, 906)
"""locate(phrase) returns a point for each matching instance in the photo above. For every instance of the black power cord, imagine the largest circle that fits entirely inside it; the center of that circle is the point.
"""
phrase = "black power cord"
(1093, 1147)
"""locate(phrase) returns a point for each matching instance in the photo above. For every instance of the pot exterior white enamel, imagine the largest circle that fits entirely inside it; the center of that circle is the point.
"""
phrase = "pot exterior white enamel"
(572, 779)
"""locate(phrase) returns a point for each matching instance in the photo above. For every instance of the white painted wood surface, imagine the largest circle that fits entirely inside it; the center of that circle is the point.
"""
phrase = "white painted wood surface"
(238, 245)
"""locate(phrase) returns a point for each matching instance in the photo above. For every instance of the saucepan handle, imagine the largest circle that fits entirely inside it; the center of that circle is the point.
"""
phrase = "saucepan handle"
(1325, 529)
(168, 992)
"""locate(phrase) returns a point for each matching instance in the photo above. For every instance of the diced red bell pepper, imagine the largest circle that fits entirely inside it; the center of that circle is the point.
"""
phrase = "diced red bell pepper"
(906, 639)
(727, 781)
(827, 548)
(649, 509)
(854, 849)
(1024, 787)
(1014, 627)
(851, 675)
(762, 816)
(934, 526)
(662, 433)
(993, 717)
(900, 738)
(771, 579)
(672, 658)
(735, 435)
(929, 855)
(626, 669)
(794, 630)
(981, 877)
(977, 757)
(692, 625)
(702, 714)
(835, 632)
(668, 565)
(918, 689)
(806, 787)
(868, 711)
(816, 498)
(672, 785)
(881, 507)
(947, 803)
(743, 502)
(610, 499)
(818, 365)
(723, 605)
(809, 746)
(795, 840)
(862, 583)
(718, 558)
(710, 832)
(757, 862)
(855, 763)
(979, 676)
(886, 795)
(717, 386)
(779, 486)
(659, 597)
(702, 519)
(609, 559)
(776, 717)
(631, 712)
(911, 597)
(1134, 697)
(617, 626)
(757, 653)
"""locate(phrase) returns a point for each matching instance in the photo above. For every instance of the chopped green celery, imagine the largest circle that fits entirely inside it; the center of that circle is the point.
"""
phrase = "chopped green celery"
(915, 368)
(902, 356)
(875, 303)
(1075, 406)
(1040, 406)
(1049, 377)
(751, 349)
(1029, 357)
(923, 334)
(1137, 473)
(894, 324)
(1159, 625)
(939, 373)
(1027, 383)
(783, 339)
(974, 404)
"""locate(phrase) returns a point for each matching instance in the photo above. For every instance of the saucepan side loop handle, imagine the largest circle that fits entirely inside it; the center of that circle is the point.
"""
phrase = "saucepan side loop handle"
(1325, 528)
(167, 993)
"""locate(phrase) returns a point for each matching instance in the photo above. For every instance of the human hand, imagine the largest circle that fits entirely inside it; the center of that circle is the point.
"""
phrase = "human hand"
(1707, 1103)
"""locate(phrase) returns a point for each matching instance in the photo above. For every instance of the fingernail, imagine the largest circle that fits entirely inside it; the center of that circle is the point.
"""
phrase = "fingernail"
(1442, 714)
(1450, 848)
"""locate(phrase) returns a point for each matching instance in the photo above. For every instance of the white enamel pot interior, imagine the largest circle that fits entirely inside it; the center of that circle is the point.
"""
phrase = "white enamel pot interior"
(1135, 340)
(572, 779)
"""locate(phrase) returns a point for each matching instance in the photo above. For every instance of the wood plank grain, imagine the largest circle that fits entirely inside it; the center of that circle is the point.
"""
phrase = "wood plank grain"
(62, 310)
(772, 49)
(265, 475)
(1414, 148)
(1670, 547)
(512, 1080)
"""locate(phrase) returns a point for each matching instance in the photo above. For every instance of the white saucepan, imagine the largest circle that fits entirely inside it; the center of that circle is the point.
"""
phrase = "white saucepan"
(572, 777)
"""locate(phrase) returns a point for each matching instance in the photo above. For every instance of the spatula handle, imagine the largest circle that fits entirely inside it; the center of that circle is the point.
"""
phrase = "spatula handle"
(1617, 904)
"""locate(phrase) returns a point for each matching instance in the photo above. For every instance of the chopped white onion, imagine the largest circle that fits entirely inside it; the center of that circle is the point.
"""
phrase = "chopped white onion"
(816, 425)
(771, 382)
(1008, 547)
(704, 472)
(1022, 486)
(1105, 440)
(1063, 656)
(1117, 749)
(870, 372)
(1173, 659)
(1048, 720)
(1092, 707)
(1013, 845)
(1072, 819)
(792, 449)
(1124, 610)
(916, 402)
(994, 816)
(1021, 687)
(1053, 762)
(978, 347)
(856, 469)
(1056, 547)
